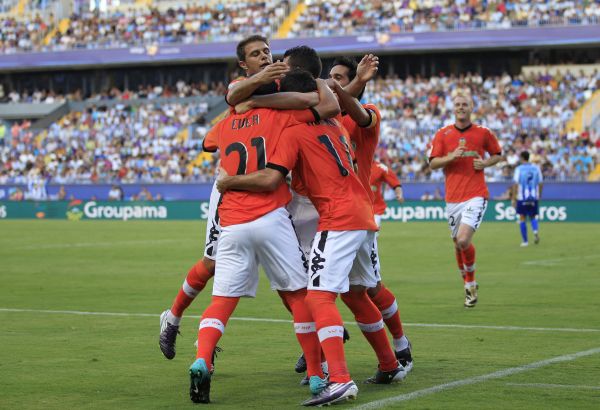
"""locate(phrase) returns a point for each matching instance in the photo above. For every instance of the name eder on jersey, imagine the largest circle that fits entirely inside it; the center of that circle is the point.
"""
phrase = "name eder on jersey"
(241, 123)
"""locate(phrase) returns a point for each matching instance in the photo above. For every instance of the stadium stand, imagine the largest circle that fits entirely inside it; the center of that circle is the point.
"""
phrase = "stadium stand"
(161, 142)
(340, 17)
(170, 22)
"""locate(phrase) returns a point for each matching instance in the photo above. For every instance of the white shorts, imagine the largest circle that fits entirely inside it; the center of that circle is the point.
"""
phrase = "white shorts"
(213, 228)
(306, 218)
(269, 241)
(342, 258)
(469, 213)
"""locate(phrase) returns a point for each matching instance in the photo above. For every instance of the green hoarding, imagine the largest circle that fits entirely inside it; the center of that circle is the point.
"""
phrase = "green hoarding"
(553, 211)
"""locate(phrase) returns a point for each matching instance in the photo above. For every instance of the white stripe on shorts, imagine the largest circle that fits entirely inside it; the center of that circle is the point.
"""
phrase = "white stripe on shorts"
(370, 327)
(212, 322)
(331, 331)
(190, 291)
(306, 327)
(389, 312)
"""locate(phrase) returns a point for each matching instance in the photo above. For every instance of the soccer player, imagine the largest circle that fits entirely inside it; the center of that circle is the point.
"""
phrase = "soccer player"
(458, 149)
(525, 194)
(319, 154)
(363, 123)
(256, 229)
(381, 174)
(255, 58)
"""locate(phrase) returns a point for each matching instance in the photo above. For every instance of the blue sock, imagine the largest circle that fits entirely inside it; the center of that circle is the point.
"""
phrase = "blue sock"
(534, 224)
(523, 226)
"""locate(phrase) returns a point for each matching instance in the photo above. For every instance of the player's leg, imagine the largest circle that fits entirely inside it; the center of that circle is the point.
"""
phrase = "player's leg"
(386, 302)
(522, 212)
(279, 253)
(236, 275)
(363, 275)
(194, 282)
(470, 218)
(330, 262)
(534, 222)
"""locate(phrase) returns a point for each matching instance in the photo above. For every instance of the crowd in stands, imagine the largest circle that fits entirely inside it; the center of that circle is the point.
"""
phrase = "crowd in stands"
(181, 89)
(342, 17)
(233, 20)
(524, 112)
(127, 144)
(162, 143)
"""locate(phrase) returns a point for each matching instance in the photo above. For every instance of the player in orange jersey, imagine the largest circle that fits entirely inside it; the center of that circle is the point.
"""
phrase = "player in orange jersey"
(255, 58)
(381, 174)
(459, 150)
(319, 154)
(256, 229)
(363, 123)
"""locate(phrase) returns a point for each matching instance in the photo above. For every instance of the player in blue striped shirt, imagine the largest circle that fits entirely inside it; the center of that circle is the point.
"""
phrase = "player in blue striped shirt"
(526, 193)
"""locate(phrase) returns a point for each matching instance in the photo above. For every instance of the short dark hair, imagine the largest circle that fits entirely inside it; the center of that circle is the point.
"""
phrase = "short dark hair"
(305, 58)
(525, 155)
(241, 47)
(298, 80)
(347, 62)
(266, 89)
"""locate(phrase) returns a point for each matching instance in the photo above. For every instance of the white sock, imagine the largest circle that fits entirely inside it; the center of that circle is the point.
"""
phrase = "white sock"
(400, 344)
(172, 319)
(470, 284)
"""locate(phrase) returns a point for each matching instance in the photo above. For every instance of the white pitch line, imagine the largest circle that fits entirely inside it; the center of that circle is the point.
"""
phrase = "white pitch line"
(477, 379)
(554, 386)
(94, 244)
(269, 320)
(557, 261)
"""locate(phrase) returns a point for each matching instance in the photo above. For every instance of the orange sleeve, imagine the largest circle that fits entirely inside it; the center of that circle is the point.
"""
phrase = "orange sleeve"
(375, 115)
(391, 178)
(437, 146)
(492, 146)
(211, 140)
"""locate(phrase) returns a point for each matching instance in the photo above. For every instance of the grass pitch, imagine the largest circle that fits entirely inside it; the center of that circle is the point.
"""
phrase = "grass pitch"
(52, 358)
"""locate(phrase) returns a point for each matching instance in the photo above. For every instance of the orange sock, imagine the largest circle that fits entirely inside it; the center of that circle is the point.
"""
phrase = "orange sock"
(212, 325)
(387, 305)
(460, 262)
(469, 259)
(193, 284)
(370, 322)
(306, 331)
(330, 330)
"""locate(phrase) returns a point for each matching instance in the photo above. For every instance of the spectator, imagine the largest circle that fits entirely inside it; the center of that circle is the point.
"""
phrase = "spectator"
(115, 193)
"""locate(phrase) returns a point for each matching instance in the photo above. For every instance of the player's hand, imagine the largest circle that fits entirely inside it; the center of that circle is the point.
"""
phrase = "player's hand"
(367, 68)
(457, 153)
(331, 83)
(478, 163)
(222, 180)
(244, 107)
(399, 195)
(272, 72)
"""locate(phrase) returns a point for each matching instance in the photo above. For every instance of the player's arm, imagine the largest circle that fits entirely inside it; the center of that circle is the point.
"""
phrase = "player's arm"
(365, 71)
(279, 101)
(242, 90)
(364, 118)
(441, 162)
(479, 163)
(392, 180)
(265, 180)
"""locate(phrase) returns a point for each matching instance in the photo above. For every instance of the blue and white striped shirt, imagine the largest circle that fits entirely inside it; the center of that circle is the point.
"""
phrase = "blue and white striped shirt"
(528, 177)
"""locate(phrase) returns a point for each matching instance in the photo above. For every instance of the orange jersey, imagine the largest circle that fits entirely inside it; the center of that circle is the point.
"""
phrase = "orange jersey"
(380, 174)
(247, 141)
(297, 184)
(365, 140)
(464, 182)
(319, 154)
